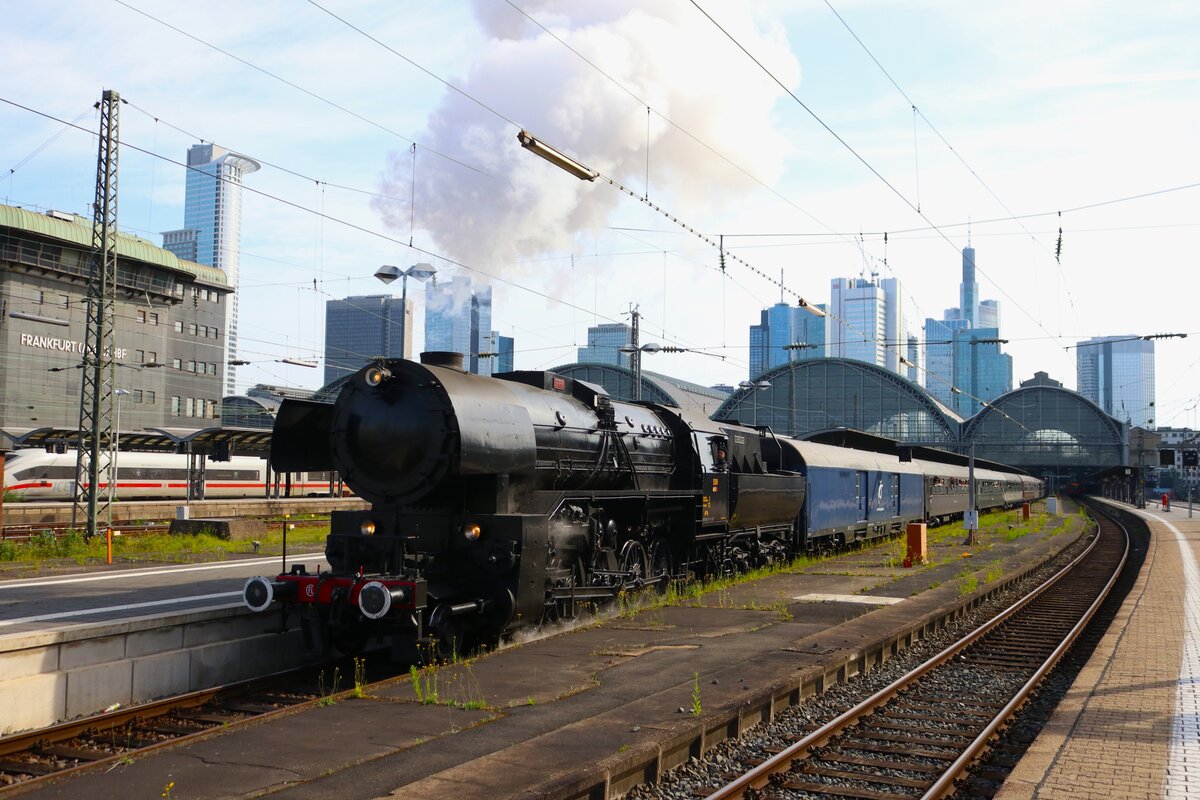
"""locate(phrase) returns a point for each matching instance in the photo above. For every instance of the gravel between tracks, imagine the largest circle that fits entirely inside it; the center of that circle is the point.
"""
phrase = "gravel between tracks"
(698, 777)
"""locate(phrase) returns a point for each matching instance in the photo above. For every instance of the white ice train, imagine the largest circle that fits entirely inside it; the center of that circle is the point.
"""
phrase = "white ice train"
(37, 475)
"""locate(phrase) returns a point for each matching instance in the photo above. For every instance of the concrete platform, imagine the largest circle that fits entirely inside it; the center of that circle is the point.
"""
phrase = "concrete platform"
(1130, 725)
(591, 712)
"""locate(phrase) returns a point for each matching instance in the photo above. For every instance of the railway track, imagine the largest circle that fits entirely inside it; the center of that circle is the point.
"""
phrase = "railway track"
(35, 757)
(919, 736)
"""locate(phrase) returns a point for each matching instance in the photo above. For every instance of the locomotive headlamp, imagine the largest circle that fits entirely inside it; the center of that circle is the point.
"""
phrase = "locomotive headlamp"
(367, 528)
(471, 532)
(376, 375)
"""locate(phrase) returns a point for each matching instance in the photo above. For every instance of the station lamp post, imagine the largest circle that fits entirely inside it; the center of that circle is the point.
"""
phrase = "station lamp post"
(388, 273)
(757, 386)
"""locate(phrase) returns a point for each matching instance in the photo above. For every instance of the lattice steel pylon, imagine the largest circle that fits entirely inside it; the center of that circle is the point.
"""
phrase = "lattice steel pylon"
(93, 468)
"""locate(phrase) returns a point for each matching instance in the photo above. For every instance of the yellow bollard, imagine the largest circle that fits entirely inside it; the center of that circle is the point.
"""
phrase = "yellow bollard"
(110, 545)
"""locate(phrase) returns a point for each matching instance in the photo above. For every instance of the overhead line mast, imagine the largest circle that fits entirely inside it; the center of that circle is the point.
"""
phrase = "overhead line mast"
(94, 479)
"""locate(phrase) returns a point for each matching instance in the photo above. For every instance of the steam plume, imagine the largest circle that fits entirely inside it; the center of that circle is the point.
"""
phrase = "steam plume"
(665, 52)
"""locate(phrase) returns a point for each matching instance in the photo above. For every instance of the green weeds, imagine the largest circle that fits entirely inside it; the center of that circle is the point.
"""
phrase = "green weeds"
(133, 546)
(696, 708)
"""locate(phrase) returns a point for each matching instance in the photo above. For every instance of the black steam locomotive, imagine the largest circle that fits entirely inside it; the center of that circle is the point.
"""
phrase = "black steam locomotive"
(502, 502)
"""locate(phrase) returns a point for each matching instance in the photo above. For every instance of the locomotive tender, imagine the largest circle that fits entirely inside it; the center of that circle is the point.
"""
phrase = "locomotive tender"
(500, 502)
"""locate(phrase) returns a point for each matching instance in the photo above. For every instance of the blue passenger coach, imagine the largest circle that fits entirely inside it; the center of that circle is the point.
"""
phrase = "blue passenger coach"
(854, 494)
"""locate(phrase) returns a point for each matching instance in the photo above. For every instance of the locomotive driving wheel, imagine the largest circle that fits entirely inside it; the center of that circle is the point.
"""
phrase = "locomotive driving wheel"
(635, 563)
(662, 567)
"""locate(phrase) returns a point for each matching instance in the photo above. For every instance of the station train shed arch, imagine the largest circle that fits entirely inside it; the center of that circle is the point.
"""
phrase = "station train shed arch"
(824, 393)
(1048, 431)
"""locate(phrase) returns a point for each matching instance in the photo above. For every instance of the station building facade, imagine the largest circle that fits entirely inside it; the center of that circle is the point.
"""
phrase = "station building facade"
(169, 334)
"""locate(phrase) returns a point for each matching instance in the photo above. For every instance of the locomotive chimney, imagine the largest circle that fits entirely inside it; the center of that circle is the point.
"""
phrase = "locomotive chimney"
(443, 358)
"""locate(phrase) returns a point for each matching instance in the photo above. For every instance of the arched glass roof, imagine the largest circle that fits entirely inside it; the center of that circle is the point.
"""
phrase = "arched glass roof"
(823, 393)
(1046, 428)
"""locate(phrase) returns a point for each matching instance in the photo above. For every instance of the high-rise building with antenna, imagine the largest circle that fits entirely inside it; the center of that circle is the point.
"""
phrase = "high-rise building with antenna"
(212, 227)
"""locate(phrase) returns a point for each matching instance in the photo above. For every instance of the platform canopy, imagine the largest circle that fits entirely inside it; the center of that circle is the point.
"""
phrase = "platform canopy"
(241, 441)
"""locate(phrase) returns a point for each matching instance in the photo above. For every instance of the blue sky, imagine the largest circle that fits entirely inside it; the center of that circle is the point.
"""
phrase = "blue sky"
(1052, 106)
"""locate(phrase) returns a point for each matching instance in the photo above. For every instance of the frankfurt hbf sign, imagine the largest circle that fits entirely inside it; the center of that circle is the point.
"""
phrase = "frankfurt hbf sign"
(63, 345)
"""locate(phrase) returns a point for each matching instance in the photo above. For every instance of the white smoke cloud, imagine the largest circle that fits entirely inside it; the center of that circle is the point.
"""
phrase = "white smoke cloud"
(666, 53)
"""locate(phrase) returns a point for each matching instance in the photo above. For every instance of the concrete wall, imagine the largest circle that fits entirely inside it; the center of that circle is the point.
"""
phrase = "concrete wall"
(52, 676)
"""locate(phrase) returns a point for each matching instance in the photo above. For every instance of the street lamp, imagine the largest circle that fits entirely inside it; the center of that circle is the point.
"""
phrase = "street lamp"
(388, 273)
(757, 386)
(556, 157)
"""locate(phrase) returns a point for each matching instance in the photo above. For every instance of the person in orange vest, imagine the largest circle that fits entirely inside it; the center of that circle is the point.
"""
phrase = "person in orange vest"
(1166, 501)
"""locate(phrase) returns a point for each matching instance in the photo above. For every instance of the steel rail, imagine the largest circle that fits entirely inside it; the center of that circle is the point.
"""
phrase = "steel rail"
(65, 731)
(758, 776)
(944, 785)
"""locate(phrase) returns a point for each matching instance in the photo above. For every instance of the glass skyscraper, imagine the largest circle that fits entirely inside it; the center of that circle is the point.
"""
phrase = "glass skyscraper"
(782, 325)
(867, 321)
(504, 361)
(951, 359)
(1117, 374)
(359, 329)
(458, 319)
(604, 344)
(968, 290)
(980, 369)
(212, 227)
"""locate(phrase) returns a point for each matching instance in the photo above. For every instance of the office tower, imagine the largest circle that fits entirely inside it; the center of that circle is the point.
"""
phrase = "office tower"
(458, 318)
(954, 356)
(212, 227)
(968, 359)
(785, 334)
(1117, 374)
(504, 361)
(867, 321)
(915, 361)
(359, 329)
(981, 371)
(604, 344)
(939, 357)
(989, 314)
(968, 290)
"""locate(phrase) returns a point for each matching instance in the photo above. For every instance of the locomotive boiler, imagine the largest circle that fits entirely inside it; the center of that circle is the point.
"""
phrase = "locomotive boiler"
(502, 502)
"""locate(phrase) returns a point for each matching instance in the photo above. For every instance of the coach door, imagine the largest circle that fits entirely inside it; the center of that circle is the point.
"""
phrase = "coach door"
(864, 495)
